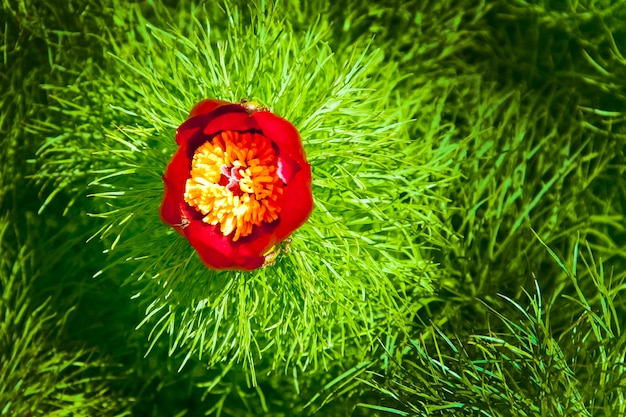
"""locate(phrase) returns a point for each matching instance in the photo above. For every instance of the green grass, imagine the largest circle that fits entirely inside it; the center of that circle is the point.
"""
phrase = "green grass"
(538, 355)
(465, 255)
(352, 271)
(43, 370)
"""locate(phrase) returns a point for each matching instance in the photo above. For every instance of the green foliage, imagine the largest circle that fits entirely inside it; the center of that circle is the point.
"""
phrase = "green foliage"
(352, 272)
(456, 148)
(532, 359)
(542, 146)
(38, 375)
(533, 154)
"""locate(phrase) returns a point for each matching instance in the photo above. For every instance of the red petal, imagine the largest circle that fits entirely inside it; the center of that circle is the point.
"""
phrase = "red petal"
(218, 251)
(183, 134)
(178, 171)
(175, 178)
(282, 133)
(230, 121)
(297, 203)
(170, 207)
(225, 118)
(287, 168)
(206, 107)
(255, 245)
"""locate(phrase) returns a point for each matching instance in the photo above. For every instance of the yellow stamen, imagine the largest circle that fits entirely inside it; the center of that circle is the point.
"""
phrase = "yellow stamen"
(248, 195)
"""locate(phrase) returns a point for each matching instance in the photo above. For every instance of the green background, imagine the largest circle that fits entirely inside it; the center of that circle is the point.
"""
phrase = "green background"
(466, 255)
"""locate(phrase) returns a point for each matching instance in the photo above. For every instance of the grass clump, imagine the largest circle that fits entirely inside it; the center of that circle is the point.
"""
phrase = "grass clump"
(534, 151)
(540, 145)
(531, 360)
(441, 136)
(40, 374)
(353, 270)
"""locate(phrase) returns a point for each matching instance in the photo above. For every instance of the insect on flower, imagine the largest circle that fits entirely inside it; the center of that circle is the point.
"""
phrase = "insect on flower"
(272, 256)
(238, 185)
(252, 105)
(184, 221)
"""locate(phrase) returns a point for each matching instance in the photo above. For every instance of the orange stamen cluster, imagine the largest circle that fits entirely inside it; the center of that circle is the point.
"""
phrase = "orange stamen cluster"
(234, 182)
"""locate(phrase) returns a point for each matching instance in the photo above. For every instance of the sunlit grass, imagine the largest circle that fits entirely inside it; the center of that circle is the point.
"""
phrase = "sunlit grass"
(538, 355)
(352, 271)
(456, 150)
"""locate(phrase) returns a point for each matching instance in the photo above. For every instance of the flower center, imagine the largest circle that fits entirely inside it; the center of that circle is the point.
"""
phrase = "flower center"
(234, 182)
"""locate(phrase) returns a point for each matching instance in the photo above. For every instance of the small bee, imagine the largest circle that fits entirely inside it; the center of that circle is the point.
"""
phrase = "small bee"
(251, 106)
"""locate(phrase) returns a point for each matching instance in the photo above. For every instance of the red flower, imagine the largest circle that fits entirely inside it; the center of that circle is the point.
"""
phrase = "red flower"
(238, 184)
